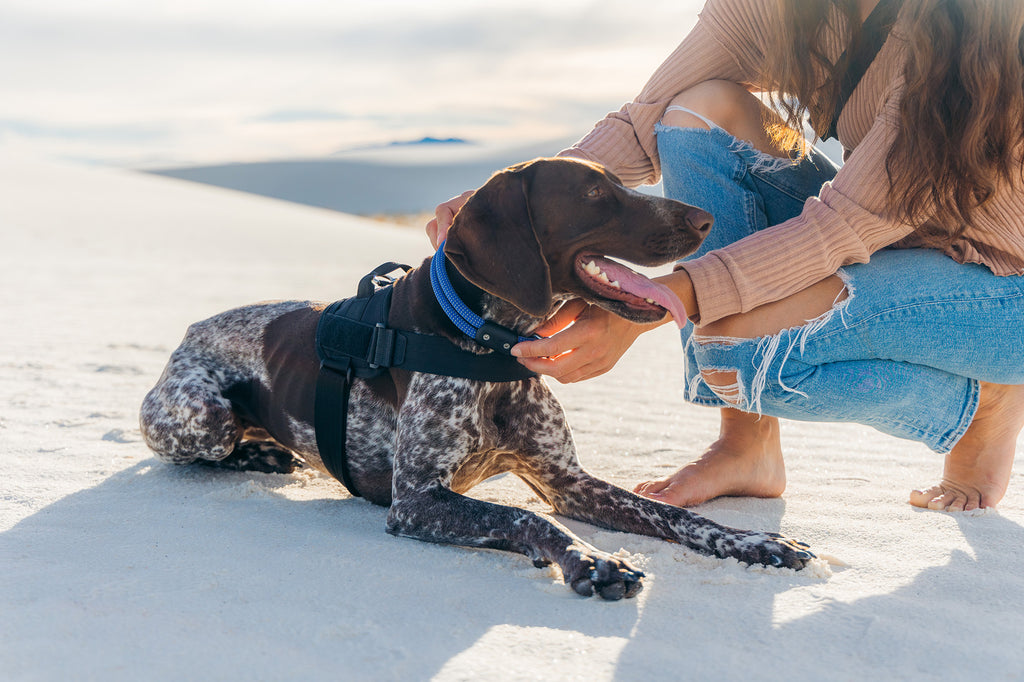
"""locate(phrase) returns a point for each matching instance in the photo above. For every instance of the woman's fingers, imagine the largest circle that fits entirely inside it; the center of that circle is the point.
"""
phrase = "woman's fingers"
(563, 317)
(588, 348)
(432, 232)
(444, 214)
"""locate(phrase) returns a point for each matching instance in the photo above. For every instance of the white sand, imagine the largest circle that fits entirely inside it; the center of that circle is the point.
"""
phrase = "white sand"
(115, 567)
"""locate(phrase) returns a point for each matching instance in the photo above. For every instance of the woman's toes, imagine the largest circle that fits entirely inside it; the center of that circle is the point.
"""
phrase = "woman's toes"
(669, 491)
(946, 498)
(935, 497)
(921, 498)
(948, 501)
(650, 487)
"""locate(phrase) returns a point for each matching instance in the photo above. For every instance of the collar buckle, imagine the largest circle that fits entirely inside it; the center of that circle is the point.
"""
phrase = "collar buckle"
(497, 338)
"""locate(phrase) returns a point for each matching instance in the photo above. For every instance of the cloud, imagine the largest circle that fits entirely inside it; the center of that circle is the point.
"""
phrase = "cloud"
(105, 133)
(300, 116)
(264, 78)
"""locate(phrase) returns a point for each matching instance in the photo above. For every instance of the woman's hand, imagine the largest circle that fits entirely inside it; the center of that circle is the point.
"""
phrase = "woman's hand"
(588, 348)
(444, 214)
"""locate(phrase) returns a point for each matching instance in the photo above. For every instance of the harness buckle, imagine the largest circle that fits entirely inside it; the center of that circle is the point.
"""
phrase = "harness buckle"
(497, 338)
(382, 347)
(380, 277)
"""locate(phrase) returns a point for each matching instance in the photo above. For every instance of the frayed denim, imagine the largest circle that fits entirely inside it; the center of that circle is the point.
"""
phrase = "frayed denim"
(903, 352)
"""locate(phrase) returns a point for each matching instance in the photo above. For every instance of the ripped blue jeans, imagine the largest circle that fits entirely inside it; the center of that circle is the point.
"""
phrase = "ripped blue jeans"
(904, 351)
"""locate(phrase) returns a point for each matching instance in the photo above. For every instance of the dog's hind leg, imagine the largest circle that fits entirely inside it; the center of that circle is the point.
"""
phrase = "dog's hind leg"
(186, 417)
(258, 455)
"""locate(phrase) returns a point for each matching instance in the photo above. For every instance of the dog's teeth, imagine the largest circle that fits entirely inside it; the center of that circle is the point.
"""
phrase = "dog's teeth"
(603, 277)
(591, 268)
(616, 284)
(649, 300)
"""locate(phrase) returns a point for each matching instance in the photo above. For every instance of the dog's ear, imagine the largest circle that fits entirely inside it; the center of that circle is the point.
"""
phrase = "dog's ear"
(493, 244)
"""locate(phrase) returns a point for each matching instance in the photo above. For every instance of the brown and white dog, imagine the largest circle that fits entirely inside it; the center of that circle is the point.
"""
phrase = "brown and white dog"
(239, 391)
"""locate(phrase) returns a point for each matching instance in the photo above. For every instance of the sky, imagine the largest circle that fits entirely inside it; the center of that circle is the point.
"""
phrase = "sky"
(157, 84)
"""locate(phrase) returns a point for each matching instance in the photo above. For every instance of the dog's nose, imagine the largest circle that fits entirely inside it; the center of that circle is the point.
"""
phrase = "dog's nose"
(700, 221)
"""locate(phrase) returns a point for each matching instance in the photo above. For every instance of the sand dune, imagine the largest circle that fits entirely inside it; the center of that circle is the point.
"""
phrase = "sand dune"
(119, 568)
(406, 178)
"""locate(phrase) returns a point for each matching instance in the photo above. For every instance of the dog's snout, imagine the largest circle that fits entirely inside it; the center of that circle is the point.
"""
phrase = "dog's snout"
(699, 221)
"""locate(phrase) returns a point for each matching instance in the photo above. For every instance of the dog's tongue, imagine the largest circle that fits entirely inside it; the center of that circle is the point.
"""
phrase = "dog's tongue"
(638, 285)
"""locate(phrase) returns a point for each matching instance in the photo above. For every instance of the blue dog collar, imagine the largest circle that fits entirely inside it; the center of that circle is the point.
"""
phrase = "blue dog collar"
(487, 334)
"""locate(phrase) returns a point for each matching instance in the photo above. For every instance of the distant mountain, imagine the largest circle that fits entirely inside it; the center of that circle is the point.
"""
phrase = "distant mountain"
(429, 140)
(422, 142)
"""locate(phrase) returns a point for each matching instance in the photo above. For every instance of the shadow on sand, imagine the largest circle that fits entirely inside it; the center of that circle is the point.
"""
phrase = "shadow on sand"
(901, 634)
(191, 573)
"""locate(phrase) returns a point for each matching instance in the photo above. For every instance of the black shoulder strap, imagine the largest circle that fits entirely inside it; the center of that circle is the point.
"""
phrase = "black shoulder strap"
(873, 35)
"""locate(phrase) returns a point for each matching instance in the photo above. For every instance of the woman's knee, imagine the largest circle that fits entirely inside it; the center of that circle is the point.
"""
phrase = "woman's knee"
(721, 101)
(729, 106)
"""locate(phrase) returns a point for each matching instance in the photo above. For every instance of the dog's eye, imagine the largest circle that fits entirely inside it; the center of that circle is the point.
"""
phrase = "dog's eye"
(594, 192)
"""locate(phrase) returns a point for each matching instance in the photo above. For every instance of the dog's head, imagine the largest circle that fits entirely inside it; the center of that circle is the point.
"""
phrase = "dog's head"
(544, 230)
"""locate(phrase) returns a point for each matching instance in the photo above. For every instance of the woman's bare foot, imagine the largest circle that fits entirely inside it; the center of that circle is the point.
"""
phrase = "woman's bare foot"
(746, 460)
(978, 467)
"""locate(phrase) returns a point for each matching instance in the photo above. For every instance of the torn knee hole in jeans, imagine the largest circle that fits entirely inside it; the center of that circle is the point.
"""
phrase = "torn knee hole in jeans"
(765, 353)
(724, 383)
(762, 161)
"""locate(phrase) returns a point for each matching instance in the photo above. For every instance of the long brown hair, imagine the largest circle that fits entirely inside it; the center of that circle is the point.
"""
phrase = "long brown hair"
(961, 120)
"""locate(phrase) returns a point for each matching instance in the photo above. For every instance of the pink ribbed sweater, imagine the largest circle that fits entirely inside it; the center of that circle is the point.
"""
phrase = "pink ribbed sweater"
(844, 224)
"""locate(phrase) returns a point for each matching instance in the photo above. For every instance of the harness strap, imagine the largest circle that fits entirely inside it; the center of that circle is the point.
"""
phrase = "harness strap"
(382, 348)
(873, 35)
(331, 423)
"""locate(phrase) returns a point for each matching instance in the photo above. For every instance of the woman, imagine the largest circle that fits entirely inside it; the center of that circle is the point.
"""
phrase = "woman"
(887, 293)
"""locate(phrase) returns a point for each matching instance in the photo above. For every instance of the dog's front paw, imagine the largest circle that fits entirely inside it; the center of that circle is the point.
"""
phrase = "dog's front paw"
(589, 571)
(769, 549)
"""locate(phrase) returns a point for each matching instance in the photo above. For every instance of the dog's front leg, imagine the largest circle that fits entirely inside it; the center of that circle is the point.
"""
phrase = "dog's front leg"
(437, 514)
(595, 501)
(436, 433)
(551, 467)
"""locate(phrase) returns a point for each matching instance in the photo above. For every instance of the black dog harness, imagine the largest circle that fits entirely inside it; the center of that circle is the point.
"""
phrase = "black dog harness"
(353, 340)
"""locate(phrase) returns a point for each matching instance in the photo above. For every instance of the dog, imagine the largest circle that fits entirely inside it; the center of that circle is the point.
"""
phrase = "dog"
(238, 392)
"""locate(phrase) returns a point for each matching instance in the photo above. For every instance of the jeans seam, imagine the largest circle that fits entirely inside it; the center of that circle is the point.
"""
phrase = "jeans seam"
(953, 436)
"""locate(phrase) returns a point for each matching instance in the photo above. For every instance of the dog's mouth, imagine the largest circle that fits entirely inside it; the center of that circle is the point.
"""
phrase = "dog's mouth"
(626, 292)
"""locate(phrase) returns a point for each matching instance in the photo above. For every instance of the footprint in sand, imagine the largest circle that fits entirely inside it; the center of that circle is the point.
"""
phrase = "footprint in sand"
(122, 436)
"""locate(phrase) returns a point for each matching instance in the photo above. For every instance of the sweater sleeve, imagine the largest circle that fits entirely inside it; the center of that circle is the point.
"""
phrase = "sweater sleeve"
(725, 44)
(844, 224)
